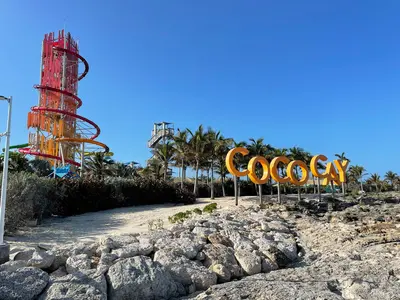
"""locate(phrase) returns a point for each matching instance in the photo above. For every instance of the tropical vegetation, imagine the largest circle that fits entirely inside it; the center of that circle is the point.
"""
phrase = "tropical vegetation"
(107, 183)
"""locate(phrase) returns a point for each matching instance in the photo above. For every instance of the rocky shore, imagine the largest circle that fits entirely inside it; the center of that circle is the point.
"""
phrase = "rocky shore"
(243, 253)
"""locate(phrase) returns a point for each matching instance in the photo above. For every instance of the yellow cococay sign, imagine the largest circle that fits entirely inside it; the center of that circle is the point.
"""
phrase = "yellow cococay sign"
(271, 169)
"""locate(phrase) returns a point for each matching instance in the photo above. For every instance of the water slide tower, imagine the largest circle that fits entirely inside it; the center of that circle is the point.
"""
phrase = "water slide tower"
(57, 132)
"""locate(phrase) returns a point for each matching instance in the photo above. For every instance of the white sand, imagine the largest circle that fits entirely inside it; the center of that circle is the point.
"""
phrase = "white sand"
(92, 226)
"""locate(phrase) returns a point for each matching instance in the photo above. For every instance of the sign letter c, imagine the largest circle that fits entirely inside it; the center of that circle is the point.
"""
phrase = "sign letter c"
(230, 164)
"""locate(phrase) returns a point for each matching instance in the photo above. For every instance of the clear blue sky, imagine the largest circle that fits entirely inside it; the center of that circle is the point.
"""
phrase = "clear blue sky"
(323, 75)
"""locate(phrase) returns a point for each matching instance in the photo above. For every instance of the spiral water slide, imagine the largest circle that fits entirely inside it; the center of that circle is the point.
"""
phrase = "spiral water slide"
(58, 133)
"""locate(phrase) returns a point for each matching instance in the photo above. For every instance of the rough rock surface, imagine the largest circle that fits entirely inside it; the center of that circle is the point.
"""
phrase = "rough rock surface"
(77, 263)
(249, 261)
(186, 271)
(274, 253)
(191, 257)
(41, 259)
(85, 285)
(133, 249)
(140, 278)
(225, 256)
(345, 255)
(24, 283)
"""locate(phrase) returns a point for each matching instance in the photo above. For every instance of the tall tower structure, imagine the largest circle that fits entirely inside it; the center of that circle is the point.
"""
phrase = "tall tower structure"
(57, 132)
(161, 133)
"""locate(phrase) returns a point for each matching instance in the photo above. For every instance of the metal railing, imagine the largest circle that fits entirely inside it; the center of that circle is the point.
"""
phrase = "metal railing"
(159, 135)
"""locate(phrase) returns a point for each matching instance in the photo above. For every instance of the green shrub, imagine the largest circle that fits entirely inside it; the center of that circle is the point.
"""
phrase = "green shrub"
(31, 197)
(197, 211)
(210, 208)
(27, 199)
(179, 217)
(89, 195)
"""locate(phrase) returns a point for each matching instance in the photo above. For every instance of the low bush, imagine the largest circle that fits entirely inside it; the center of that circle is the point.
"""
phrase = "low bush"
(197, 211)
(210, 208)
(180, 217)
(27, 199)
(183, 215)
(31, 197)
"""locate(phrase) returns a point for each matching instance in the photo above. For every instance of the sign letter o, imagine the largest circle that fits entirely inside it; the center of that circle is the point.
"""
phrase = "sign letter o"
(252, 170)
(292, 175)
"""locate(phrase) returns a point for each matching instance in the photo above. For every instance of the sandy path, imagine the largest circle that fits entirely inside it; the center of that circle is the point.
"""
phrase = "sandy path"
(92, 226)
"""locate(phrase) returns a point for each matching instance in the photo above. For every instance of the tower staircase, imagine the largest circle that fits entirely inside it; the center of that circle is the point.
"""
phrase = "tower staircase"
(161, 133)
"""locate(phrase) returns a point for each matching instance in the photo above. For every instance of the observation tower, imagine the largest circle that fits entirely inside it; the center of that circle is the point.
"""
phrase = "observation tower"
(57, 133)
(161, 133)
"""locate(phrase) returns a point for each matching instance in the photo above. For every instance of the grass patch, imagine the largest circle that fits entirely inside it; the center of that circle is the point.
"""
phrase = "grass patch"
(210, 208)
(180, 217)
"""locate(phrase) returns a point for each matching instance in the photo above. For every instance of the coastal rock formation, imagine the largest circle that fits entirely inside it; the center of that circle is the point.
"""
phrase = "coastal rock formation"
(253, 253)
(23, 283)
(140, 278)
(192, 256)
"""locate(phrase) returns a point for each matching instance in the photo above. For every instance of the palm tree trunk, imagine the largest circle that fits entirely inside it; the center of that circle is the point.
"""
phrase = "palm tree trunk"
(223, 186)
(272, 187)
(165, 170)
(333, 189)
(235, 187)
(298, 187)
(377, 189)
(279, 193)
(343, 189)
(362, 190)
(313, 180)
(183, 170)
(238, 184)
(260, 193)
(196, 178)
(319, 189)
(208, 175)
(212, 179)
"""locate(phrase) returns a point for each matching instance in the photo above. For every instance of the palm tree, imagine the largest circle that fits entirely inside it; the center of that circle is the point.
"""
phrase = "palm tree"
(164, 152)
(269, 155)
(222, 171)
(240, 162)
(358, 172)
(297, 153)
(215, 144)
(307, 159)
(125, 170)
(391, 177)
(280, 152)
(257, 148)
(212, 145)
(221, 153)
(154, 169)
(342, 157)
(99, 164)
(320, 166)
(181, 152)
(375, 179)
(17, 162)
(197, 144)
